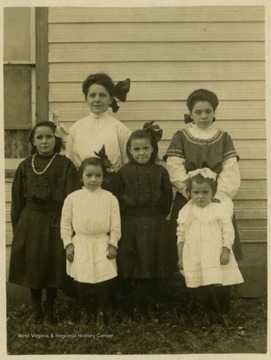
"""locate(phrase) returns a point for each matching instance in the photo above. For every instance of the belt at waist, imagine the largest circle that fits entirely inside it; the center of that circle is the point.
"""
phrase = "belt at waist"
(91, 237)
(44, 206)
(143, 211)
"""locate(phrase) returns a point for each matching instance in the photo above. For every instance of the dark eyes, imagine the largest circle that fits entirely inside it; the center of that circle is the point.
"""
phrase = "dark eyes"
(92, 95)
(199, 112)
(41, 137)
(197, 192)
(144, 148)
(97, 175)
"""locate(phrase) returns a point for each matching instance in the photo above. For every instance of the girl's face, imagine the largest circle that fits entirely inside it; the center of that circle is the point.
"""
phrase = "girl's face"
(141, 150)
(44, 140)
(92, 177)
(201, 194)
(98, 99)
(203, 114)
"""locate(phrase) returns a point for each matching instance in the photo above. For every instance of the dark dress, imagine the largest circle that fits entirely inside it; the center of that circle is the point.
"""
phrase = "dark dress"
(200, 153)
(38, 256)
(145, 196)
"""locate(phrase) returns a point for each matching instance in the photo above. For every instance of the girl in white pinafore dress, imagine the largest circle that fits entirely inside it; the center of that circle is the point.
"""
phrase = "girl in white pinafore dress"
(205, 238)
(90, 230)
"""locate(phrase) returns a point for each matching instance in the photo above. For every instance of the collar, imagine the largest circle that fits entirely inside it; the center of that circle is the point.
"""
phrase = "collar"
(202, 133)
(98, 116)
(92, 191)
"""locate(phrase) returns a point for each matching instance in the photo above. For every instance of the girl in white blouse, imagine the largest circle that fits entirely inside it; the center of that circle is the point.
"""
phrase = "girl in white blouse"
(99, 128)
(205, 238)
(90, 230)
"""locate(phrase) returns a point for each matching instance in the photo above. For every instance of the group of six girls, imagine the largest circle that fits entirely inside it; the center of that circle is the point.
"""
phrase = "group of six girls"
(99, 213)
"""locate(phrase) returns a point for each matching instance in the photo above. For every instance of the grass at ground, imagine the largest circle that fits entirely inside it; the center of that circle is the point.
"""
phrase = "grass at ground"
(177, 332)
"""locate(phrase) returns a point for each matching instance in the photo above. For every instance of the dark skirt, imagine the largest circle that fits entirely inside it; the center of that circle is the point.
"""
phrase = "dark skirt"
(178, 203)
(143, 249)
(37, 255)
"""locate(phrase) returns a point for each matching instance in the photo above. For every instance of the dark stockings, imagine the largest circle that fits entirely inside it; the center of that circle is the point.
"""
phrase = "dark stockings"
(94, 298)
(36, 298)
(216, 298)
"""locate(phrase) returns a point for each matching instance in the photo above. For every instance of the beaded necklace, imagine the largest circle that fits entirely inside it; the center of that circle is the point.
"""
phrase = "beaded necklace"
(46, 167)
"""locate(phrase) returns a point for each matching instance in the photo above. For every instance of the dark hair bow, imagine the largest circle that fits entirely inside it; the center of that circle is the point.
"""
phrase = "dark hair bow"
(154, 130)
(120, 91)
(102, 155)
(187, 118)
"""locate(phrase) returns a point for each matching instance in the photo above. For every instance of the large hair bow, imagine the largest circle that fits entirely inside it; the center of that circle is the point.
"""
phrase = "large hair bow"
(154, 130)
(204, 172)
(102, 155)
(120, 92)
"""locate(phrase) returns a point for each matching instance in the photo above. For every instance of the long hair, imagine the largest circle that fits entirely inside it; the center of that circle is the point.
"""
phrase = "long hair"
(58, 145)
(142, 134)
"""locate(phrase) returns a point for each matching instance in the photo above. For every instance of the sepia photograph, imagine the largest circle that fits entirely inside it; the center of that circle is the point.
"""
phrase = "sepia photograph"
(135, 178)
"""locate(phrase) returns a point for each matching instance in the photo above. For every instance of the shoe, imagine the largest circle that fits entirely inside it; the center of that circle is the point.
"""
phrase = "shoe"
(136, 315)
(100, 320)
(86, 317)
(49, 315)
(226, 321)
(36, 315)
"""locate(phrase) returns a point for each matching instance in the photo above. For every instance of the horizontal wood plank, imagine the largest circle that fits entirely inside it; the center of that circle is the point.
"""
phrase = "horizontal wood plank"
(160, 51)
(156, 14)
(163, 66)
(156, 32)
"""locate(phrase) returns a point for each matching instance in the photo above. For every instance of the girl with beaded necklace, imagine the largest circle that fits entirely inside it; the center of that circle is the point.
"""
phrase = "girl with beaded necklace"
(41, 183)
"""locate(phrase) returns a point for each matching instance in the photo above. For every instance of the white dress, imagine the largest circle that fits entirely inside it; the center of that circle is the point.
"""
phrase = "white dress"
(91, 133)
(91, 221)
(204, 231)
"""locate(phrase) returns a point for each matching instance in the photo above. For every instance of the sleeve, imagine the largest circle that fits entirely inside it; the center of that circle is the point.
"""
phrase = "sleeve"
(175, 147)
(226, 213)
(18, 200)
(66, 228)
(72, 179)
(227, 232)
(183, 220)
(123, 134)
(229, 179)
(180, 229)
(115, 230)
(166, 192)
(177, 173)
(118, 189)
(69, 147)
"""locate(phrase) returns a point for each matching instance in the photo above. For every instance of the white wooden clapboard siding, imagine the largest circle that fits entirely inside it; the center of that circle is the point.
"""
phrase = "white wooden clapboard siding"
(168, 52)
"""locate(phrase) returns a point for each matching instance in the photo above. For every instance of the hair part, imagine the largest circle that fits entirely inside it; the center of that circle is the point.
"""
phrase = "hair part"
(199, 179)
(100, 79)
(90, 161)
(51, 125)
(202, 95)
(142, 134)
